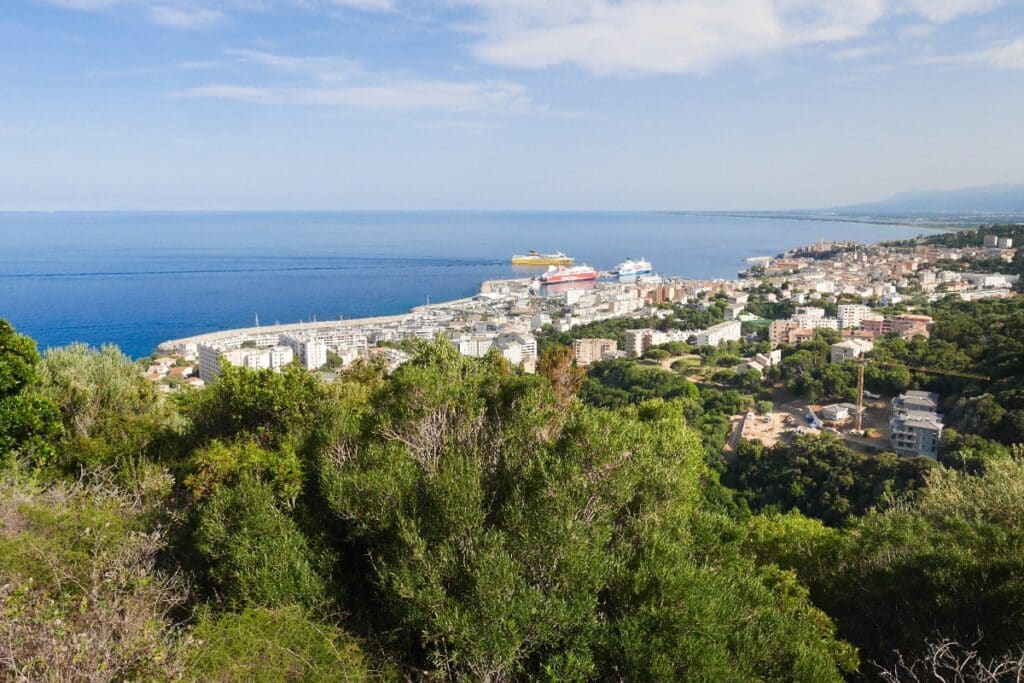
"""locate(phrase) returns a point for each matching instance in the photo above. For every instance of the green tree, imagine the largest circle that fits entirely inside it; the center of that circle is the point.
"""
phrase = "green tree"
(110, 411)
(507, 536)
(821, 477)
(946, 565)
(271, 407)
(29, 422)
(253, 553)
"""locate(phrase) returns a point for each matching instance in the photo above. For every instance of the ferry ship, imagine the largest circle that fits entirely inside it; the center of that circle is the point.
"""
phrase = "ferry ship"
(562, 274)
(631, 267)
(535, 259)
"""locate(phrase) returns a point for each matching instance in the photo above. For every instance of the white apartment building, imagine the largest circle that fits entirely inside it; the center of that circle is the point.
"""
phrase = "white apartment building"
(815, 322)
(475, 345)
(722, 332)
(516, 347)
(850, 315)
(309, 349)
(212, 356)
(638, 341)
(996, 242)
(809, 312)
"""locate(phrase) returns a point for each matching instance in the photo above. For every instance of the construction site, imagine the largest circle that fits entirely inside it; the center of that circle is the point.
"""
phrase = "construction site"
(863, 426)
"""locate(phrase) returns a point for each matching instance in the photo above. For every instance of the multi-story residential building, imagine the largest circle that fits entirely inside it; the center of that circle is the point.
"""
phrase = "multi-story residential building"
(638, 341)
(906, 325)
(539, 320)
(996, 242)
(474, 345)
(517, 347)
(801, 326)
(809, 312)
(816, 323)
(780, 330)
(310, 349)
(732, 311)
(850, 315)
(212, 356)
(722, 332)
(915, 428)
(587, 351)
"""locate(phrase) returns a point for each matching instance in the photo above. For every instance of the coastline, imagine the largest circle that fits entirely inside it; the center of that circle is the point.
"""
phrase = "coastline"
(281, 328)
(203, 273)
(880, 220)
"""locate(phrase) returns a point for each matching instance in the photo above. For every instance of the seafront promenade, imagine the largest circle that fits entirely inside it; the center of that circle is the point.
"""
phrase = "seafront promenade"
(287, 328)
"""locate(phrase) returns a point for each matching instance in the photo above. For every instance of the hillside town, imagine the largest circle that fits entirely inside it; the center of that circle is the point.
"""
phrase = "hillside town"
(861, 292)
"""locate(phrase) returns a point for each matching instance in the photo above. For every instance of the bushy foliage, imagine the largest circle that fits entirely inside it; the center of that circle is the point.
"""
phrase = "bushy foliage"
(509, 539)
(617, 383)
(108, 409)
(983, 338)
(467, 521)
(220, 465)
(270, 407)
(80, 595)
(620, 383)
(819, 476)
(807, 371)
(947, 565)
(29, 422)
(254, 553)
(266, 645)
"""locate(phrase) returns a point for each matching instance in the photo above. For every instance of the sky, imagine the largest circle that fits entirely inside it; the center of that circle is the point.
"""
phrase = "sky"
(504, 104)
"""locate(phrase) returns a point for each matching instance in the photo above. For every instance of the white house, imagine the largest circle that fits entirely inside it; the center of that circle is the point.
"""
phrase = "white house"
(850, 349)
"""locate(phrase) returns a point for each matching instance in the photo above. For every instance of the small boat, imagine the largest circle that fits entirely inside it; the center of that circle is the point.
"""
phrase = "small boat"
(536, 259)
(631, 267)
(563, 274)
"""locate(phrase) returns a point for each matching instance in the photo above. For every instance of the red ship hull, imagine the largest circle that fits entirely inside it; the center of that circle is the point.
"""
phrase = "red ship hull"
(555, 278)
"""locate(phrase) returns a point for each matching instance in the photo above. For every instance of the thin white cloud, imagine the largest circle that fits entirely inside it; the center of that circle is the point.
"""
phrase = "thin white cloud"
(639, 37)
(852, 54)
(188, 18)
(471, 126)
(917, 31)
(364, 5)
(407, 94)
(205, 14)
(86, 5)
(940, 11)
(325, 69)
(135, 71)
(335, 81)
(1009, 55)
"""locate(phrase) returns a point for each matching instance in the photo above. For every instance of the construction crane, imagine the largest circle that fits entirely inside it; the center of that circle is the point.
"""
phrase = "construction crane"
(930, 371)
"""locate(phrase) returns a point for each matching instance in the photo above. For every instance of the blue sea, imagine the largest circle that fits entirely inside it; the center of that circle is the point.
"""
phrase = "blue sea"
(136, 279)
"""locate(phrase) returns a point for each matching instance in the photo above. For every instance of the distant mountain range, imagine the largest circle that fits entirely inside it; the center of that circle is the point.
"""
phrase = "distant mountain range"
(987, 199)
